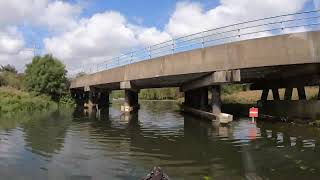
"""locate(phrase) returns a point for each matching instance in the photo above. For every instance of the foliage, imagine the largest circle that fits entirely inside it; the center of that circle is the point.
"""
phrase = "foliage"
(13, 100)
(11, 79)
(66, 100)
(152, 94)
(160, 94)
(232, 88)
(8, 68)
(46, 75)
(117, 94)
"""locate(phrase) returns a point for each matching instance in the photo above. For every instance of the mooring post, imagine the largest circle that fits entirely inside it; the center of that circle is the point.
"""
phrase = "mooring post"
(216, 100)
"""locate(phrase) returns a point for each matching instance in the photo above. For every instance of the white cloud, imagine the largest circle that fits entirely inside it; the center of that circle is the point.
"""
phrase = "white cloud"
(56, 16)
(13, 12)
(100, 37)
(12, 48)
(190, 17)
(59, 16)
(84, 41)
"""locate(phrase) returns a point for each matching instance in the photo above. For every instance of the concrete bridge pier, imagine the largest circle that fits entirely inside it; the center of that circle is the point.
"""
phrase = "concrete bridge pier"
(286, 106)
(197, 98)
(130, 101)
(130, 97)
(216, 100)
(79, 98)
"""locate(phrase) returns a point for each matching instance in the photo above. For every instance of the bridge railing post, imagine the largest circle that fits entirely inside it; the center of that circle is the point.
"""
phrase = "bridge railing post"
(172, 46)
(131, 57)
(202, 39)
(149, 50)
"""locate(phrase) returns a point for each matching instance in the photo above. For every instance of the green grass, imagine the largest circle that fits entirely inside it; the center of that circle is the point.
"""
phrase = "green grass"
(13, 100)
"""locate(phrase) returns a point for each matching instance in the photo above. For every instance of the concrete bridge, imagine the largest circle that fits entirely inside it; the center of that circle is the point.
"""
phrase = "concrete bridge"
(284, 60)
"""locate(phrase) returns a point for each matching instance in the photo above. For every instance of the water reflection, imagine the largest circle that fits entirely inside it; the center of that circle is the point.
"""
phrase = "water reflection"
(66, 145)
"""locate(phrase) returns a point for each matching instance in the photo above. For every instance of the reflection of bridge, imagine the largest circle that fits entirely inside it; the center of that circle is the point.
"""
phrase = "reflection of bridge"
(197, 63)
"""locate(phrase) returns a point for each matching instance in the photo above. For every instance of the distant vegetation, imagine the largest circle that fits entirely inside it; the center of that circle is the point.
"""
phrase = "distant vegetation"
(153, 94)
(43, 85)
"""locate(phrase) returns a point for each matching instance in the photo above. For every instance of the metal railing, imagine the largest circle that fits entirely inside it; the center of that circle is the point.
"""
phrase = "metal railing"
(271, 26)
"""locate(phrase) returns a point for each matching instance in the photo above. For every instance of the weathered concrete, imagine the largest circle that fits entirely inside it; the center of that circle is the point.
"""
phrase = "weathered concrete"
(213, 79)
(289, 49)
(270, 63)
(130, 101)
(203, 98)
(216, 100)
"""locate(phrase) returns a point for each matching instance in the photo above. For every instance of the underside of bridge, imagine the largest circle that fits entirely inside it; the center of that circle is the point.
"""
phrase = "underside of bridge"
(290, 61)
(197, 87)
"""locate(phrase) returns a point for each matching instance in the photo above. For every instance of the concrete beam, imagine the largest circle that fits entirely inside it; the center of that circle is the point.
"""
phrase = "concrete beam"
(214, 78)
(287, 83)
(128, 85)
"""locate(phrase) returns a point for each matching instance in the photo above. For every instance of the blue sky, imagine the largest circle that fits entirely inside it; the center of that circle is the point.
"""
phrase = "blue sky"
(82, 32)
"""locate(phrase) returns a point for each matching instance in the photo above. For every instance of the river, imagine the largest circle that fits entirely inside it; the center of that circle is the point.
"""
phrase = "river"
(64, 145)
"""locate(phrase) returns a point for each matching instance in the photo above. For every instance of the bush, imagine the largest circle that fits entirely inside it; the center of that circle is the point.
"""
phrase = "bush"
(11, 79)
(46, 75)
(13, 100)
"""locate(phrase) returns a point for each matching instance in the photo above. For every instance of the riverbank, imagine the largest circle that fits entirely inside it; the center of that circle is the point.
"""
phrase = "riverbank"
(13, 100)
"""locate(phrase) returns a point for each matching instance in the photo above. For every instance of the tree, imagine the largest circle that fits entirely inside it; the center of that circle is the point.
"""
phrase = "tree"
(8, 68)
(46, 75)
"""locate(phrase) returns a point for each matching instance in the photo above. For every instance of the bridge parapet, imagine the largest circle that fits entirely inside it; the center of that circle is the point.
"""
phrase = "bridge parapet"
(271, 26)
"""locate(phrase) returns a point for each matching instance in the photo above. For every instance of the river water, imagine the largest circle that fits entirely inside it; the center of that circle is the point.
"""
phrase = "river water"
(64, 145)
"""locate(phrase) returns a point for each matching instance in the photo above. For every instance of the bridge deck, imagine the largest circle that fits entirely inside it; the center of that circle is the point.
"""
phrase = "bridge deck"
(261, 58)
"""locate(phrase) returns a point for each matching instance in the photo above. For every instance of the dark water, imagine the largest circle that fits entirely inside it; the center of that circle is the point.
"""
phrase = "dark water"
(62, 145)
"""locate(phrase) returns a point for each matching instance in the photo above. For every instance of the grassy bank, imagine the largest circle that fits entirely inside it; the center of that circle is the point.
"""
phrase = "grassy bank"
(13, 100)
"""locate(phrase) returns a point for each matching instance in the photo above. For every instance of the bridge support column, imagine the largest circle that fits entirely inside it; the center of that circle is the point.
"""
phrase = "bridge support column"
(275, 93)
(79, 97)
(302, 93)
(130, 101)
(92, 101)
(264, 95)
(197, 98)
(103, 99)
(216, 100)
(319, 94)
(203, 98)
(288, 94)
